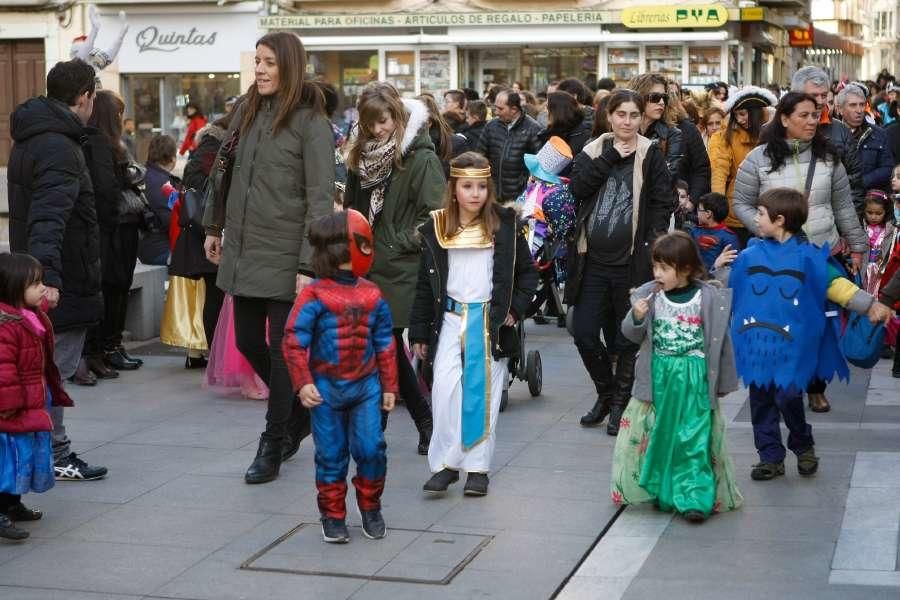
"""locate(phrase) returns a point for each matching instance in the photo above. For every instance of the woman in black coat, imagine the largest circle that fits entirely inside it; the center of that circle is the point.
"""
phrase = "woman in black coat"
(107, 162)
(657, 124)
(624, 198)
(188, 256)
(566, 120)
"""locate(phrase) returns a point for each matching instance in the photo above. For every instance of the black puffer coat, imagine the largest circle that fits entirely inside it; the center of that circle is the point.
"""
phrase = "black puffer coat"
(52, 215)
(671, 142)
(695, 168)
(842, 139)
(514, 283)
(576, 138)
(505, 149)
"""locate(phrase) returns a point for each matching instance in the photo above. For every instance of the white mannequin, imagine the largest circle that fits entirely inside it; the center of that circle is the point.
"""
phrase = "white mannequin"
(83, 48)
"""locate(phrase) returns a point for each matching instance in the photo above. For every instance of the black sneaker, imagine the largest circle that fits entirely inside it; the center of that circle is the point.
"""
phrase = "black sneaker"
(441, 480)
(9, 531)
(72, 468)
(476, 484)
(694, 516)
(20, 512)
(373, 526)
(807, 462)
(334, 531)
(764, 471)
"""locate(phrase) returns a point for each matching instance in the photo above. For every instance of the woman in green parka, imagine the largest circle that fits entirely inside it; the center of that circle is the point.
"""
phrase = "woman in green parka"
(282, 179)
(396, 179)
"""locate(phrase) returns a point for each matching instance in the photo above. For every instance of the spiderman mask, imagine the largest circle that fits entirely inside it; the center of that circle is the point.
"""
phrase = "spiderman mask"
(361, 243)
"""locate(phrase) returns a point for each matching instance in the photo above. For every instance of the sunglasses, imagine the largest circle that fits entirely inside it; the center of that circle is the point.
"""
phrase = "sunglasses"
(656, 98)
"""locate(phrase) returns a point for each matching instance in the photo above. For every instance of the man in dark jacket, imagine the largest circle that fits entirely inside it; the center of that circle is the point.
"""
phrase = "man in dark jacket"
(814, 81)
(872, 146)
(53, 217)
(505, 142)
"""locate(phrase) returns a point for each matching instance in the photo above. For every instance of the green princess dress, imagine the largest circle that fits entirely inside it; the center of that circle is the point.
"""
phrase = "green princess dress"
(672, 451)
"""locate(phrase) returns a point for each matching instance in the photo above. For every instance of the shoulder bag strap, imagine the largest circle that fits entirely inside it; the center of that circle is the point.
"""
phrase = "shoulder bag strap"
(810, 173)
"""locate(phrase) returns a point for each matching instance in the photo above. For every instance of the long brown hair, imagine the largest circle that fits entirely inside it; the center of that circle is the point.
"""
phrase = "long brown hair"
(490, 221)
(376, 99)
(642, 84)
(445, 152)
(107, 117)
(293, 91)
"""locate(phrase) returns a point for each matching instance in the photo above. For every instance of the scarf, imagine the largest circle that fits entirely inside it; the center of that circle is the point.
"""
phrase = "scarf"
(375, 164)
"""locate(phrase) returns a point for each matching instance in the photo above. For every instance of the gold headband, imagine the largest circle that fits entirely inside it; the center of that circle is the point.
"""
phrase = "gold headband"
(470, 172)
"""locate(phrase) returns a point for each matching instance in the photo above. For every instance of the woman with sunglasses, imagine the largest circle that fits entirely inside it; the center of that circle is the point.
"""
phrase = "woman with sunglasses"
(657, 122)
(624, 200)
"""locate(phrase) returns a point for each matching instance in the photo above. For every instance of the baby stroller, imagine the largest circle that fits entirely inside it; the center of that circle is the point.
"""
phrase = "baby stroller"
(548, 211)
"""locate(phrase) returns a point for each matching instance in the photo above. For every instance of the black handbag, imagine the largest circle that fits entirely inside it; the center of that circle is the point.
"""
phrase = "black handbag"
(193, 205)
(219, 181)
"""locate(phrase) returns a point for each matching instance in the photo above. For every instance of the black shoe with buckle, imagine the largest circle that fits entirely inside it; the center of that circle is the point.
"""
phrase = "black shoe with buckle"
(441, 480)
(334, 531)
(72, 468)
(20, 512)
(373, 526)
(9, 531)
(267, 464)
(195, 362)
(476, 484)
(117, 360)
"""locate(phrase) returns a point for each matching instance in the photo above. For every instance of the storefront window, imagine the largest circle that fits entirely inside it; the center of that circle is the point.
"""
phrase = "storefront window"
(499, 66)
(622, 64)
(434, 72)
(665, 60)
(540, 66)
(348, 71)
(156, 102)
(705, 64)
(401, 71)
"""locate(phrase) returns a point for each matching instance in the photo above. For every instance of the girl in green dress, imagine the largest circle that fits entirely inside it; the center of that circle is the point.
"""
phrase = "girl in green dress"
(671, 447)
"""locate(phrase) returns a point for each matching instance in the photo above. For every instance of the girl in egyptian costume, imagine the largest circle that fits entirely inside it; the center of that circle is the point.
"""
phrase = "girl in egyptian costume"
(476, 281)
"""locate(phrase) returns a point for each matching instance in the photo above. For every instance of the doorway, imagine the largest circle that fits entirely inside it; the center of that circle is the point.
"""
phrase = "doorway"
(22, 73)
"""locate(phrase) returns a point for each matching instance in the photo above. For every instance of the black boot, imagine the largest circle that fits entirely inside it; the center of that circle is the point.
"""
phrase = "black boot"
(97, 365)
(425, 427)
(622, 383)
(296, 433)
(267, 463)
(600, 370)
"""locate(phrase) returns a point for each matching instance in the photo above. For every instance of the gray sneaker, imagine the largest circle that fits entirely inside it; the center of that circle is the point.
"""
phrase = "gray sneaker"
(334, 531)
(373, 526)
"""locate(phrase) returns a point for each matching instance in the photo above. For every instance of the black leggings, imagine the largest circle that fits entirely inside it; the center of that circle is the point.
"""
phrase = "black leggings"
(212, 305)
(267, 360)
(409, 383)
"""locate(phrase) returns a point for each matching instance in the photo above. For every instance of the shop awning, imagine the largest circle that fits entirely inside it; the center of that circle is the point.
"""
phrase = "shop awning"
(824, 39)
(519, 36)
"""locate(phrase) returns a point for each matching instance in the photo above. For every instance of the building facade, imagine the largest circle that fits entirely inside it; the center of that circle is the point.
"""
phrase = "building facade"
(836, 36)
(881, 38)
(433, 46)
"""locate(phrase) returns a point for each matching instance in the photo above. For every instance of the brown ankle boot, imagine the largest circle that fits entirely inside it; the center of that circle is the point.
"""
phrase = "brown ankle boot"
(818, 403)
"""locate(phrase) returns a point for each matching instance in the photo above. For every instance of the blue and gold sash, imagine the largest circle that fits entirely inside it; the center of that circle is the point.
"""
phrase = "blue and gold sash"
(475, 346)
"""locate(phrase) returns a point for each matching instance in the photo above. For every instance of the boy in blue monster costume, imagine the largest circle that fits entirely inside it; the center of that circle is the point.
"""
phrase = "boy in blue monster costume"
(783, 334)
(339, 346)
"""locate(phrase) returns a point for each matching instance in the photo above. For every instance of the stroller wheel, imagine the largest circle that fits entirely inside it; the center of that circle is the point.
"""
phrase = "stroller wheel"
(534, 373)
(504, 400)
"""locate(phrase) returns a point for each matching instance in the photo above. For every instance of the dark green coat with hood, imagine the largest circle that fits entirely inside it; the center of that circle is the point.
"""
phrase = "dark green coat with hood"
(280, 183)
(412, 193)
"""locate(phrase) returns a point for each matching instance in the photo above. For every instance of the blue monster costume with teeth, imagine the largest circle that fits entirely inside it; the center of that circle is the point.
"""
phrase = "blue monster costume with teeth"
(781, 329)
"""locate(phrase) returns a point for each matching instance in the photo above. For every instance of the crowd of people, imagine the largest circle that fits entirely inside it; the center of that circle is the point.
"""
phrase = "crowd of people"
(334, 271)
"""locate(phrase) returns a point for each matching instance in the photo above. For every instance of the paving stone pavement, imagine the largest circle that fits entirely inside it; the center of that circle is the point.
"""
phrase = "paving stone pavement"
(174, 519)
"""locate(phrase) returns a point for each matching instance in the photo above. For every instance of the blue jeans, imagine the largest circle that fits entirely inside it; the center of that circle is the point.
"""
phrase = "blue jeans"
(767, 406)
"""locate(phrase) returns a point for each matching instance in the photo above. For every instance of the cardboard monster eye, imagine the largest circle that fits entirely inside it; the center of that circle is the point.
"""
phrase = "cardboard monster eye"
(775, 340)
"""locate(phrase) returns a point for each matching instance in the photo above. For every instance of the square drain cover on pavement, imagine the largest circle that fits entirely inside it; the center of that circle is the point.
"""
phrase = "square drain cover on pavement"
(405, 555)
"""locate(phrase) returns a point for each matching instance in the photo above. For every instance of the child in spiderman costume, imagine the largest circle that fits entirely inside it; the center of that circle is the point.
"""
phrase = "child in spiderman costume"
(339, 346)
